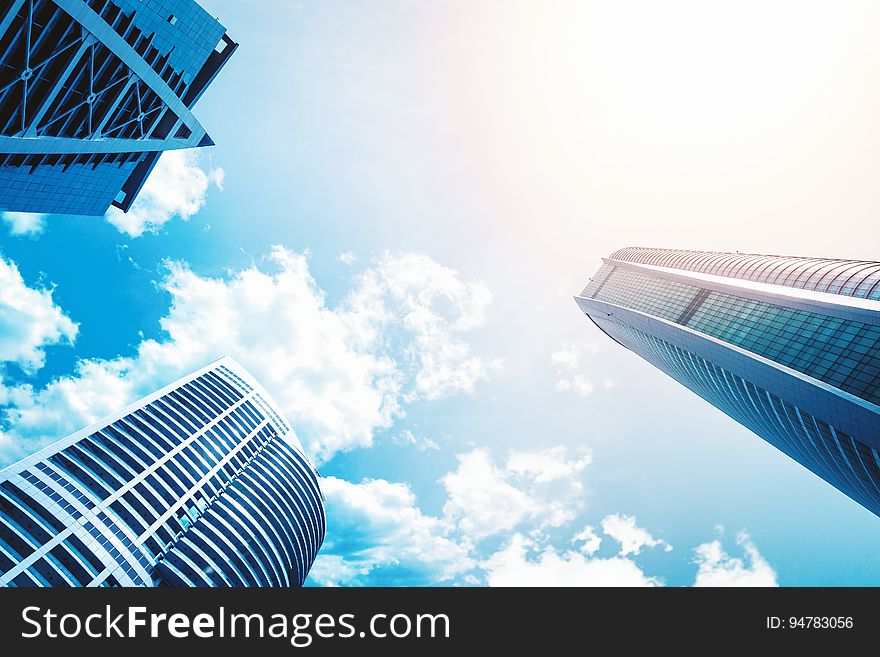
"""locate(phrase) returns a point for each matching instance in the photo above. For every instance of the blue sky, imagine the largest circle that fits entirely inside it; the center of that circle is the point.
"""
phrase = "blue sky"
(401, 204)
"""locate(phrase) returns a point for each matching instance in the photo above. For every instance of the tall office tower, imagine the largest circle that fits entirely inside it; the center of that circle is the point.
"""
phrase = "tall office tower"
(93, 91)
(788, 347)
(202, 483)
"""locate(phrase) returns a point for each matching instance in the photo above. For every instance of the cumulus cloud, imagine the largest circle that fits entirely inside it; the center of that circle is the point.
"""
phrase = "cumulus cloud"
(568, 357)
(718, 568)
(36, 417)
(546, 465)
(24, 223)
(177, 187)
(493, 530)
(378, 533)
(422, 443)
(588, 538)
(30, 320)
(335, 570)
(523, 563)
(580, 384)
(542, 486)
(376, 524)
(417, 296)
(632, 538)
(567, 360)
(480, 500)
(338, 373)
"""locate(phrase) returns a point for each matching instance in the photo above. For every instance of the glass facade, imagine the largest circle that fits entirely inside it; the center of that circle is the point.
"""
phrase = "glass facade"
(200, 484)
(93, 91)
(853, 278)
(800, 369)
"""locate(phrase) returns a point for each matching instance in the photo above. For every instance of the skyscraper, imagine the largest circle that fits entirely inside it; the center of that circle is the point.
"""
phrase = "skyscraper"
(788, 347)
(202, 483)
(93, 91)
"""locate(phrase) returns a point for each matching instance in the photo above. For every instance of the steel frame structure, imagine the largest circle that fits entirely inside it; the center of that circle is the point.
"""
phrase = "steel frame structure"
(81, 83)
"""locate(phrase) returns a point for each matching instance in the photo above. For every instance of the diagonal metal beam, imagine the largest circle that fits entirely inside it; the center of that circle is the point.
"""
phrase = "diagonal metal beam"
(111, 111)
(91, 97)
(24, 97)
(10, 85)
(57, 53)
(29, 33)
(135, 119)
(91, 21)
(58, 88)
(27, 64)
(64, 114)
(67, 145)
(11, 13)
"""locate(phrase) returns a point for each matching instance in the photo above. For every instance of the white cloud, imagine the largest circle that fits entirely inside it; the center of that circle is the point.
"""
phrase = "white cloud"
(378, 534)
(567, 357)
(417, 297)
(177, 187)
(591, 541)
(480, 501)
(377, 524)
(24, 223)
(579, 384)
(545, 465)
(582, 385)
(542, 486)
(40, 417)
(335, 570)
(30, 320)
(407, 437)
(338, 373)
(631, 537)
(515, 566)
(347, 258)
(718, 568)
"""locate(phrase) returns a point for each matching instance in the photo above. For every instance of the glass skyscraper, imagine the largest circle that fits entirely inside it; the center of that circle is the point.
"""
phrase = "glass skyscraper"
(789, 347)
(93, 91)
(202, 483)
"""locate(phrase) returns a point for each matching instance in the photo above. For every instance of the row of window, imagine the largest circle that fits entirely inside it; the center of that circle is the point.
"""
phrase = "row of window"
(25, 526)
(266, 408)
(265, 531)
(251, 512)
(113, 457)
(846, 277)
(840, 459)
(840, 352)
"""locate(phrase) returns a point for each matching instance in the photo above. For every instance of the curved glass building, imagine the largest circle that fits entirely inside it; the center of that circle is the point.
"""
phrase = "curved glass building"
(93, 91)
(789, 347)
(202, 483)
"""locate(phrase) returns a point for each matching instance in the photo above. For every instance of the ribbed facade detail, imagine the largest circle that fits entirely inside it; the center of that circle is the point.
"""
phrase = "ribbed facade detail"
(801, 370)
(200, 484)
(853, 278)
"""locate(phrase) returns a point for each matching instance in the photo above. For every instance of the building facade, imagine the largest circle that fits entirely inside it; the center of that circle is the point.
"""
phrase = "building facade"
(93, 91)
(788, 347)
(202, 483)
